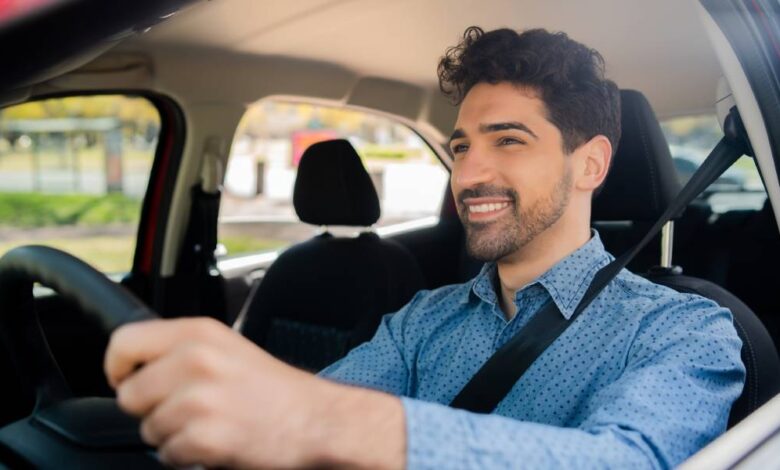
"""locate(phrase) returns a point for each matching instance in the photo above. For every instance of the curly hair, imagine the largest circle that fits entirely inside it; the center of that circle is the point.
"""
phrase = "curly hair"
(567, 76)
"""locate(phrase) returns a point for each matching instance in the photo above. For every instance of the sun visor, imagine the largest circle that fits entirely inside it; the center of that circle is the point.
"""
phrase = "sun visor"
(117, 70)
(391, 96)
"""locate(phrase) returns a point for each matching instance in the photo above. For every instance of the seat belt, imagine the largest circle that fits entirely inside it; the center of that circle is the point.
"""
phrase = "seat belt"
(503, 369)
(196, 267)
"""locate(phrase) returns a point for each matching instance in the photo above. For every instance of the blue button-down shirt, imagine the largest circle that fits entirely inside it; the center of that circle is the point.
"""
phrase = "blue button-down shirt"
(643, 378)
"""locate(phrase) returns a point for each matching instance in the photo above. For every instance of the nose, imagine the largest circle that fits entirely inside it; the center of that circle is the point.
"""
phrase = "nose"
(471, 169)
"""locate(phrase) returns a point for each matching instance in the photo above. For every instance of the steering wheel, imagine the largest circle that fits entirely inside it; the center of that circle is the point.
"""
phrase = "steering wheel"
(64, 431)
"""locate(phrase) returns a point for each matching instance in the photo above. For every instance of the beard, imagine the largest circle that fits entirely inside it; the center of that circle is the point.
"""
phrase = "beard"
(491, 241)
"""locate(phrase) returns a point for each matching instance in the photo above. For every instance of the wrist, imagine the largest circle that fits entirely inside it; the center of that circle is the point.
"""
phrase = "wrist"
(358, 428)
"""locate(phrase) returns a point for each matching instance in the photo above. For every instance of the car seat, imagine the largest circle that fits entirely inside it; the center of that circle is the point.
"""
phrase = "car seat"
(324, 296)
(640, 185)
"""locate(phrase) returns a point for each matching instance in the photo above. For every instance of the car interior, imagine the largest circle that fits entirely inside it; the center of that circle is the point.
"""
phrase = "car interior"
(203, 65)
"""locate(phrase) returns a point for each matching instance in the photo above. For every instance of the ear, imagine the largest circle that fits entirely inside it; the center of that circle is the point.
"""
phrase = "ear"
(596, 155)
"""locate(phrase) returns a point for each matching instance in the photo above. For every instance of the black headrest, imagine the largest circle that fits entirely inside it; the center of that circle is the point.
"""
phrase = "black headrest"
(333, 187)
(642, 181)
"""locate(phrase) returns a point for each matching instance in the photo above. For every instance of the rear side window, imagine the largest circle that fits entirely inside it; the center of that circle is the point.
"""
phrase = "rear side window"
(691, 138)
(257, 213)
(73, 173)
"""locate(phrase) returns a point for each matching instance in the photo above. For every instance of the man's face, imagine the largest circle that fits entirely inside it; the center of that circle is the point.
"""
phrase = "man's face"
(511, 179)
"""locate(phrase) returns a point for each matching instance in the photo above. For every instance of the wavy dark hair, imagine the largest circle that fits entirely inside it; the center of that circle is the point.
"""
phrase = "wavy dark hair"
(567, 75)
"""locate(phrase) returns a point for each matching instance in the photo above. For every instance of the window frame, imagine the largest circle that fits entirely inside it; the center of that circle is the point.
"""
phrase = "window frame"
(143, 277)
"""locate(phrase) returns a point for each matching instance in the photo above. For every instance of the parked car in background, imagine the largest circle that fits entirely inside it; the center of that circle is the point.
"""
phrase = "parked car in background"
(687, 161)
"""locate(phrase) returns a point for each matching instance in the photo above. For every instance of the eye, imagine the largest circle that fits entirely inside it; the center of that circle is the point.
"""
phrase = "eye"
(509, 141)
(459, 148)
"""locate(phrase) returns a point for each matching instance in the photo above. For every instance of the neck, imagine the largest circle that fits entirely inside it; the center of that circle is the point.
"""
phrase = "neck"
(528, 263)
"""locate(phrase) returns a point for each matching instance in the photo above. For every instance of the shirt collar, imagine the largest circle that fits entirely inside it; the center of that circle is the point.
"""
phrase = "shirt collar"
(566, 281)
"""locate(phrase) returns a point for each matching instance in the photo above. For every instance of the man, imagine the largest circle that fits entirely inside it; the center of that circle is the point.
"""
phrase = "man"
(643, 378)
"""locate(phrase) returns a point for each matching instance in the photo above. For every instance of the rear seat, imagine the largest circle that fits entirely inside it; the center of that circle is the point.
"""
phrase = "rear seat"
(753, 242)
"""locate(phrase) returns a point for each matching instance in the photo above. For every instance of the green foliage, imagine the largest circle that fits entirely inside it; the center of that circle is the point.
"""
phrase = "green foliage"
(701, 132)
(127, 108)
(107, 253)
(28, 210)
(244, 244)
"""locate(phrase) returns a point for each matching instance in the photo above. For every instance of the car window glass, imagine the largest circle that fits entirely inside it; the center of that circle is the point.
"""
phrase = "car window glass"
(691, 138)
(256, 212)
(73, 173)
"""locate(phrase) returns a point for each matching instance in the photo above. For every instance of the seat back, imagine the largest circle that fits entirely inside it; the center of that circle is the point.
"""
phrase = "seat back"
(762, 381)
(322, 297)
(639, 187)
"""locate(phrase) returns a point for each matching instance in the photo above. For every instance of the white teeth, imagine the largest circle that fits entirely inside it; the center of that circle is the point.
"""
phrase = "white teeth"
(480, 208)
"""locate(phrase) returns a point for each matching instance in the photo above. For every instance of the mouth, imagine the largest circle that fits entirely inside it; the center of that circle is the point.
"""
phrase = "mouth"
(486, 209)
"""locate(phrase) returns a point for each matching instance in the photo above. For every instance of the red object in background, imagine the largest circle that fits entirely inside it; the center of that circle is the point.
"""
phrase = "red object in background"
(12, 9)
(301, 140)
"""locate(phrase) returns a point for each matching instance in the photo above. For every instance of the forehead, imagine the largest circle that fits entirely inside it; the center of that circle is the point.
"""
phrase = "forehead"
(502, 102)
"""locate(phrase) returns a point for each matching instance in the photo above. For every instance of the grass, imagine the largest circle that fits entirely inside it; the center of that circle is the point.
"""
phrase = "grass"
(114, 253)
(237, 245)
(109, 254)
(30, 210)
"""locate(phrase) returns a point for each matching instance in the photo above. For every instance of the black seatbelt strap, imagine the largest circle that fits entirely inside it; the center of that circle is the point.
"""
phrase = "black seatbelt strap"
(503, 369)
(198, 281)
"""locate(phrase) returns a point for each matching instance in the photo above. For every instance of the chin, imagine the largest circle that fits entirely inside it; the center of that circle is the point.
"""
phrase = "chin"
(486, 248)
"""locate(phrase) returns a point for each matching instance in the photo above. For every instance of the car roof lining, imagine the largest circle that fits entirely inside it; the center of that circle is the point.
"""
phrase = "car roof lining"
(181, 75)
(657, 47)
(339, 49)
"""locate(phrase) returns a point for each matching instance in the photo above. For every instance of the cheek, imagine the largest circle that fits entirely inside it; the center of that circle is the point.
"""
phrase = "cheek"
(535, 179)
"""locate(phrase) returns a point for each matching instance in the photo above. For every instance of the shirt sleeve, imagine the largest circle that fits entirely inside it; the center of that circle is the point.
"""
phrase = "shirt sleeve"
(682, 374)
(380, 363)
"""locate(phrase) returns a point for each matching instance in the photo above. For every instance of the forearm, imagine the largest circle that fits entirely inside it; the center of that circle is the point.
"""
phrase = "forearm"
(441, 437)
(359, 428)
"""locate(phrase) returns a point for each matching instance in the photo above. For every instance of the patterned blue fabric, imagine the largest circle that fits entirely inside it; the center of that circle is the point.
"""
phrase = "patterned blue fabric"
(643, 378)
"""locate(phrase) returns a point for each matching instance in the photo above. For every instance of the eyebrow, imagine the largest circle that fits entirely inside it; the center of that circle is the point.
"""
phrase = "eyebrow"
(495, 127)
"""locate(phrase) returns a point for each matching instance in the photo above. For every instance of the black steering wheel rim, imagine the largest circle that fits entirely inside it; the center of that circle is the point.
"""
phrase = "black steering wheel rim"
(97, 297)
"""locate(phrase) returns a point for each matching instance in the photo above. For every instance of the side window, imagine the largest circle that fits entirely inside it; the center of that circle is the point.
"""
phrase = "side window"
(691, 138)
(257, 213)
(73, 173)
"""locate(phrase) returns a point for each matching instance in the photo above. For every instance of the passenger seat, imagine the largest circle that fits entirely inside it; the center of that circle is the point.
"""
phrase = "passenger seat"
(324, 296)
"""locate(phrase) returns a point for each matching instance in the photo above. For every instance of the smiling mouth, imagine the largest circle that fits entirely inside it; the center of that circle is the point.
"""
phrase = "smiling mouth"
(482, 212)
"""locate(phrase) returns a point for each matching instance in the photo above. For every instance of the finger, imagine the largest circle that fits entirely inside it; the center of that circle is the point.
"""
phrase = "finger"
(184, 366)
(202, 442)
(172, 415)
(133, 345)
